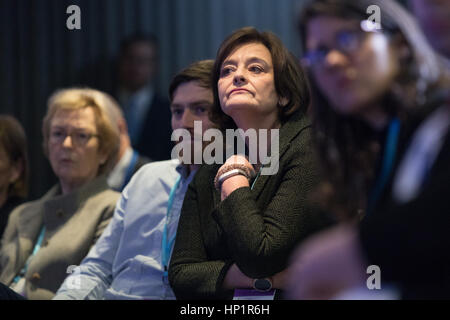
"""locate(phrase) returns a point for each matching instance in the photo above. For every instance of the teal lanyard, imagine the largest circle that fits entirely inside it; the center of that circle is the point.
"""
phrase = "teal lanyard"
(167, 246)
(256, 178)
(387, 164)
(37, 246)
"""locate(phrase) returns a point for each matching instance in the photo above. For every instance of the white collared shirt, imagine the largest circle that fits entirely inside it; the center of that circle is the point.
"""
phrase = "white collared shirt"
(126, 261)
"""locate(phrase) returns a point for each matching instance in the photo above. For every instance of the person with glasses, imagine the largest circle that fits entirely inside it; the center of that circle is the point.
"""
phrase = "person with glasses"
(46, 238)
(381, 120)
(131, 258)
(372, 85)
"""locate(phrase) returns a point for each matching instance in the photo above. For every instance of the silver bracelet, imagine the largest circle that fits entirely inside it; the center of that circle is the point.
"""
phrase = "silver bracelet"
(229, 174)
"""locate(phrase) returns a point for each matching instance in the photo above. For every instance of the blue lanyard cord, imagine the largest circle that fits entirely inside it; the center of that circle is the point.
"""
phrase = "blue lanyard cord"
(37, 246)
(256, 178)
(167, 246)
(387, 164)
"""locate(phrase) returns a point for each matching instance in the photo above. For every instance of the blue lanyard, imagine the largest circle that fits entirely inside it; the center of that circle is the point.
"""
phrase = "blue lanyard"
(37, 246)
(256, 178)
(130, 169)
(387, 164)
(167, 246)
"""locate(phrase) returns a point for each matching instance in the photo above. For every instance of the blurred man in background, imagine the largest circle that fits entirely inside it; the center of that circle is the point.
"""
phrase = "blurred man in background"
(128, 159)
(146, 112)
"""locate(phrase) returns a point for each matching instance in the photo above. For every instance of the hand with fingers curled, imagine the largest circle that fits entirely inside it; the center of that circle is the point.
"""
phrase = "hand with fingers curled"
(235, 173)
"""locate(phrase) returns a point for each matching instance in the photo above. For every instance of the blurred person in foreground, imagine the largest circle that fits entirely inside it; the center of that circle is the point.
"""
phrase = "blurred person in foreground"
(433, 17)
(405, 228)
(146, 112)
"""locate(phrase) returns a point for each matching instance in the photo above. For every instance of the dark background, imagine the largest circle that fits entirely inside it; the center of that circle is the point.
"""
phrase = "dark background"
(38, 54)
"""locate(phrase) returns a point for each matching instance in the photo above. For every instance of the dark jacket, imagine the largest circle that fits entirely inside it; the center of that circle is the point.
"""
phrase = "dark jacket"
(154, 141)
(256, 229)
(411, 242)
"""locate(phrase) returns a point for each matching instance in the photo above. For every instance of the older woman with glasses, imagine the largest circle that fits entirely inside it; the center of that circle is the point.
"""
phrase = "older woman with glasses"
(46, 238)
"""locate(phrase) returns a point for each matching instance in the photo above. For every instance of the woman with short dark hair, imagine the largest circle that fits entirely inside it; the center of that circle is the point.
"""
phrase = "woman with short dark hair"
(289, 79)
(240, 220)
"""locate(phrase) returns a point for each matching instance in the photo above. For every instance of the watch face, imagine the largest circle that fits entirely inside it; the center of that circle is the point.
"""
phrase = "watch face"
(262, 284)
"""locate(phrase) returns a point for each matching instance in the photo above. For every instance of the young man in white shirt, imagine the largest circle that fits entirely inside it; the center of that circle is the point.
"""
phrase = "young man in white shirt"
(130, 259)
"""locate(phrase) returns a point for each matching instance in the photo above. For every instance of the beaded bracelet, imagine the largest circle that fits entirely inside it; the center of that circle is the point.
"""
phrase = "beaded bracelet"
(222, 175)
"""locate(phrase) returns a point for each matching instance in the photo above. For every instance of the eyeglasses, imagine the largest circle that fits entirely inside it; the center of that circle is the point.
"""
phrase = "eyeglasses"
(347, 42)
(78, 138)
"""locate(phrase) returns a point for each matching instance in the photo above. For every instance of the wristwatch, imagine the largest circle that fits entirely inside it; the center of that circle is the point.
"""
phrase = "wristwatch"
(263, 284)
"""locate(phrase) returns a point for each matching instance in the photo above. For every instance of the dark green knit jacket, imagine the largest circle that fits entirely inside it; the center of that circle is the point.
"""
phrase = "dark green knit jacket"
(256, 229)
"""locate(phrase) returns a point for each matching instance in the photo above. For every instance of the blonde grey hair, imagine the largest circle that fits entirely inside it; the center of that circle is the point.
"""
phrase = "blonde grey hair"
(107, 113)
